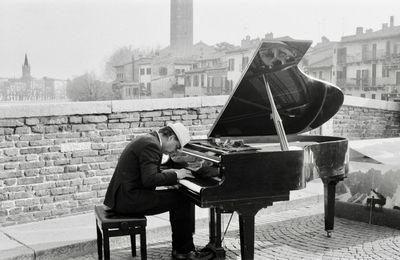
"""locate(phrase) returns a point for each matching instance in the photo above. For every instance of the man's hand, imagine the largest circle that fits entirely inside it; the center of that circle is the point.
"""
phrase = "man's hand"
(183, 173)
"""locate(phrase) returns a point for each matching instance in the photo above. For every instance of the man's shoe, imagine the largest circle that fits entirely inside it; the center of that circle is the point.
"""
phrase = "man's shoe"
(192, 255)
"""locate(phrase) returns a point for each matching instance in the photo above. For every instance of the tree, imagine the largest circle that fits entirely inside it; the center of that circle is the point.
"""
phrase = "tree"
(87, 88)
(121, 56)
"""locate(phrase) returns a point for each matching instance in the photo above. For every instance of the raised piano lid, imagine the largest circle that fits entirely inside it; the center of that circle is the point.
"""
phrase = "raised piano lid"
(303, 103)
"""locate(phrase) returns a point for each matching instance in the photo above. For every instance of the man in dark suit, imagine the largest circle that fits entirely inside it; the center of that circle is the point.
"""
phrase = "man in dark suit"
(132, 189)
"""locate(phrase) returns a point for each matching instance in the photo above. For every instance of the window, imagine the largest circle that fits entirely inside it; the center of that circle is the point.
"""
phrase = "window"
(320, 75)
(385, 71)
(398, 78)
(374, 51)
(362, 95)
(364, 75)
(148, 89)
(231, 64)
(162, 71)
(187, 81)
(358, 78)
(196, 80)
(202, 80)
(141, 71)
(373, 75)
(148, 71)
(373, 96)
(341, 55)
(245, 60)
(364, 52)
(388, 48)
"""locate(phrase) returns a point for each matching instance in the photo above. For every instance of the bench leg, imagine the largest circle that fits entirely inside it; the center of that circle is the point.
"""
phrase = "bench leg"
(133, 242)
(99, 242)
(106, 244)
(143, 247)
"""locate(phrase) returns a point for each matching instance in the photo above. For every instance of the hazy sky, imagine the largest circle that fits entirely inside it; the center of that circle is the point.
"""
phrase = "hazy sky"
(69, 37)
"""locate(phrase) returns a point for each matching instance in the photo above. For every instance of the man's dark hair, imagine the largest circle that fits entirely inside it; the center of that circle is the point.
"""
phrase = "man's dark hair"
(167, 131)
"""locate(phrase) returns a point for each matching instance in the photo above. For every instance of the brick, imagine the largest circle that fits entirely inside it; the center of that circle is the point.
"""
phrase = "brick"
(118, 125)
(84, 153)
(22, 130)
(39, 129)
(10, 182)
(9, 166)
(19, 195)
(10, 174)
(26, 202)
(70, 168)
(85, 195)
(99, 146)
(30, 137)
(83, 128)
(189, 117)
(29, 165)
(52, 156)
(61, 162)
(6, 144)
(31, 172)
(154, 124)
(71, 175)
(52, 170)
(113, 139)
(54, 120)
(31, 157)
(109, 132)
(75, 119)
(30, 180)
(11, 152)
(41, 143)
(93, 159)
(32, 121)
(89, 181)
(10, 123)
(94, 119)
(21, 144)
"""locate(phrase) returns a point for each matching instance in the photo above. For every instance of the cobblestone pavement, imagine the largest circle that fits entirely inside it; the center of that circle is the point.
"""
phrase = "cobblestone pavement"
(291, 234)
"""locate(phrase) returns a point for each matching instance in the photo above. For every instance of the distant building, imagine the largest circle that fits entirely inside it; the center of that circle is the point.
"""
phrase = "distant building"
(181, 27)
(28, 88)
(366, 64)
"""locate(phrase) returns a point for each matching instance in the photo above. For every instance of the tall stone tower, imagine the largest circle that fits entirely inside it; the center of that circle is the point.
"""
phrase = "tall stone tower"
(26, 69)
(181, 33)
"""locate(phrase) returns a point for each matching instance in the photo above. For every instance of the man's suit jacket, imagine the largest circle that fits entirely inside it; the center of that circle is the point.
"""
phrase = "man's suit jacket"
(137, 174)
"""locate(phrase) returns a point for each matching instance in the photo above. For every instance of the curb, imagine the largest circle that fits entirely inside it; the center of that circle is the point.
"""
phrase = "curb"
(86, 247)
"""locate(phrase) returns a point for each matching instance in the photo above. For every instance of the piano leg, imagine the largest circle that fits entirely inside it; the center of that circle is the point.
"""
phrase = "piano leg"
(246, 228)
(329, 203)
(215, 243)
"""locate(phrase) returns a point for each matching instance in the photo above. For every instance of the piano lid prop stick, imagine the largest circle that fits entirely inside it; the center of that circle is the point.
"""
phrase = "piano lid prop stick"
(276, 118)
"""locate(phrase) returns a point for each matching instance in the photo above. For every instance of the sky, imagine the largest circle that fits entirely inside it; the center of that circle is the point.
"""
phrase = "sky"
(66, 38)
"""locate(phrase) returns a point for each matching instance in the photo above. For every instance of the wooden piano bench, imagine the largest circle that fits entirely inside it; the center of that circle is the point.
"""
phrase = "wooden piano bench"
(110, 224)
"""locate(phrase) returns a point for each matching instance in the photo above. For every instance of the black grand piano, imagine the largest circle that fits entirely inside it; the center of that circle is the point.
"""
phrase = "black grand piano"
(255, 146)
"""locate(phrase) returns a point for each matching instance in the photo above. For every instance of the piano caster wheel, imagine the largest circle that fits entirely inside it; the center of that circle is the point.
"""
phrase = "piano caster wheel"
(328, 233)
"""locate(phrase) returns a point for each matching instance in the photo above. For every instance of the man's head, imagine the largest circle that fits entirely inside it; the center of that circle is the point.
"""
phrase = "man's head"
(175, 137)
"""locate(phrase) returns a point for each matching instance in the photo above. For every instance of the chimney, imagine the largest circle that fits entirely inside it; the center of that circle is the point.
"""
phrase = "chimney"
(324, 39)
(392, 21)
(133, 68)
(269, 36)
(359, 30)
(384, 26)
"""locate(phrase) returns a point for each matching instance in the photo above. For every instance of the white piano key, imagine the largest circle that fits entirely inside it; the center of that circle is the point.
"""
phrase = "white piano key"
(190, 185)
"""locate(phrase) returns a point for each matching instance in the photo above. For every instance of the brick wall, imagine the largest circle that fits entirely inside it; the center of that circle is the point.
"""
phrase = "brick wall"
(57, 159)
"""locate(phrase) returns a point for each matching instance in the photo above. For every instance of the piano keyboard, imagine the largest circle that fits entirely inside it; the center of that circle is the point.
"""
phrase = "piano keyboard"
(196, 185)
